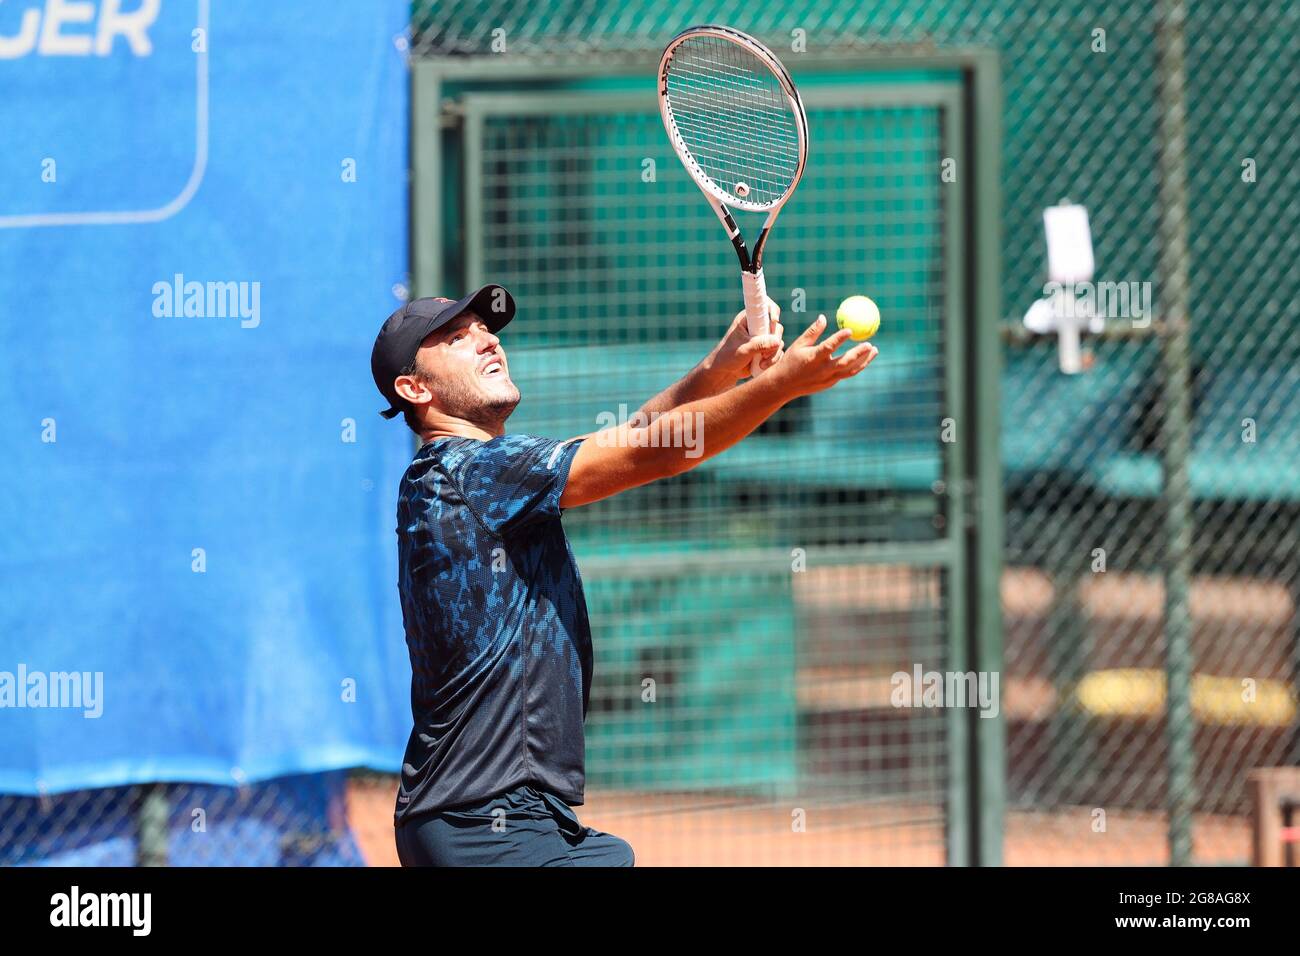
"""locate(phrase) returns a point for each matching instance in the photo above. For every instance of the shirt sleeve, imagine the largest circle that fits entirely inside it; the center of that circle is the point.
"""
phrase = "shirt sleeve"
(515, 480)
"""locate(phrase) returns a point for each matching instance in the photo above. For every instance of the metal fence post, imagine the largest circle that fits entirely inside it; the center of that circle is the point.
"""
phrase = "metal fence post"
(1175, 447)
(151, 826)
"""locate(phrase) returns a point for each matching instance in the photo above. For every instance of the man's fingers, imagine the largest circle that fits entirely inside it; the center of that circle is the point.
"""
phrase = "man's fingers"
(856, 359)
(835, 341)
(760, 345)
(769, 360)
(810, 334)
(857, 352)
(773, 311)
(862, 355)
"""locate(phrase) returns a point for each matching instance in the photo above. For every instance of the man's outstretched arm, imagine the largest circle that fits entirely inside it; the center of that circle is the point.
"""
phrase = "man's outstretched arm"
(612, 460)
(724, 366)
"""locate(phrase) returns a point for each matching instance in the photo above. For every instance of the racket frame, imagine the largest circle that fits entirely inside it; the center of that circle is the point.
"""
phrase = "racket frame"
(751, 263)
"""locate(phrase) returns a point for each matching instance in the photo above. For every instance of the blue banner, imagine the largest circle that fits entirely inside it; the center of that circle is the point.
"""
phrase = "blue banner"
(203, 222)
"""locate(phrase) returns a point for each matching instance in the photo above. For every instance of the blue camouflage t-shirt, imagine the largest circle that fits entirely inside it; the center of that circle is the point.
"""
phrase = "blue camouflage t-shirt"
(496, 623)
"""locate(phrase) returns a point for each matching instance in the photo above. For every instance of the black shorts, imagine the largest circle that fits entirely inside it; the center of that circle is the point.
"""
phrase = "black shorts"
(523, 827)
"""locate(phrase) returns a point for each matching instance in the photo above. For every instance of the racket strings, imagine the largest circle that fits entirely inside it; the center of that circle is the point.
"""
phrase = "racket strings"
(737, 126)
(733, 118)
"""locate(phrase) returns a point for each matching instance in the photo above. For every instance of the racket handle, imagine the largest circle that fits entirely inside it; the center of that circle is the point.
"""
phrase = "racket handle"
(755, 307)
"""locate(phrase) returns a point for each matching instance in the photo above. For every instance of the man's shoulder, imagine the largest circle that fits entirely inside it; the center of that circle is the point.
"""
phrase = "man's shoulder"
(452, 452)
(444, 457)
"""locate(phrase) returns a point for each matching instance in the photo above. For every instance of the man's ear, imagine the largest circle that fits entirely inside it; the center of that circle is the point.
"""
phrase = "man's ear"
(412, 389)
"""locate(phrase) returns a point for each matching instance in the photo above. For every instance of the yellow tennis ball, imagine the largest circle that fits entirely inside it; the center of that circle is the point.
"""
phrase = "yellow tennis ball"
(860, 316)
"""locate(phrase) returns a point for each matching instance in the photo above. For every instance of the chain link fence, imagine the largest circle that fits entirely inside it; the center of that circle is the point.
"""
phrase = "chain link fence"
(289, 821)
(729, 604)
(1150, 592)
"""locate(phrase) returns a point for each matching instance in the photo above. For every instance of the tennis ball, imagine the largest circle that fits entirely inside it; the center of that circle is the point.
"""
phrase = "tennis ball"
(860, 316)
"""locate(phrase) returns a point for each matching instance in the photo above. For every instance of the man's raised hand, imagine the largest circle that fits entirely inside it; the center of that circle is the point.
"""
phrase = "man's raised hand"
(732, 357)
(809, 366)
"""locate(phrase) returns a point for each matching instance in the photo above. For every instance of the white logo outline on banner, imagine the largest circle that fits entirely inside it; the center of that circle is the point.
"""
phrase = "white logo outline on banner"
(182, 199)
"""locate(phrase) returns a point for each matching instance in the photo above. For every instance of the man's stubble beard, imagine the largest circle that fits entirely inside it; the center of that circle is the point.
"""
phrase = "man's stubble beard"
(472, 405)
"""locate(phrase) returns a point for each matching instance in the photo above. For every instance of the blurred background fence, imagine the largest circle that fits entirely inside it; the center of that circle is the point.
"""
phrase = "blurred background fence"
(749, 614)
(1149, 599)
(1149, 507)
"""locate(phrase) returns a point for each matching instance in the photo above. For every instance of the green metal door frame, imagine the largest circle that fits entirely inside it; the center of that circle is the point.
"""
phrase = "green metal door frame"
(970, 107)
(984, 543)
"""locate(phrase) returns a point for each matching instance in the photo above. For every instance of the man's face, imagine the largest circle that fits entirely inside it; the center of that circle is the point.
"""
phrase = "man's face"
(465, 368)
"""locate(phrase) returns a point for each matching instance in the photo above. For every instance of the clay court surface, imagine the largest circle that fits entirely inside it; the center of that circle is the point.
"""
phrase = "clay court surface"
(695, 830)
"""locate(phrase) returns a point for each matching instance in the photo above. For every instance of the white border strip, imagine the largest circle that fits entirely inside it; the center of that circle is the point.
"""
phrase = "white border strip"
(162, 212)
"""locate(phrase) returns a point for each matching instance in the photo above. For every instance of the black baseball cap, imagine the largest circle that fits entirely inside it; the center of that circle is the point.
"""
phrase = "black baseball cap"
(400, 338)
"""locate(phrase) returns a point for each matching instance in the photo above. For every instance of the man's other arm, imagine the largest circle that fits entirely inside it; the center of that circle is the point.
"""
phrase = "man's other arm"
(615, 459)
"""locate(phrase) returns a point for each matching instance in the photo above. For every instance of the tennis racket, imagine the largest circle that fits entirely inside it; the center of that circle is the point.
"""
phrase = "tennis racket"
(739, 127)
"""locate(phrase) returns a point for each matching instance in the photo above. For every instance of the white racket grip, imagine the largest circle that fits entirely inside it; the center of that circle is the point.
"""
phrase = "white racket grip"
(755, 308)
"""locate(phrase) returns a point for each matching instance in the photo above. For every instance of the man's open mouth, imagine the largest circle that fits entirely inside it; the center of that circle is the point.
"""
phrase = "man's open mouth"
(492, 368)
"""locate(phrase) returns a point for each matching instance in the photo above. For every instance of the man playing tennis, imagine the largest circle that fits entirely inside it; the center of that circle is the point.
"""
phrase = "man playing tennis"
(495, 619)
